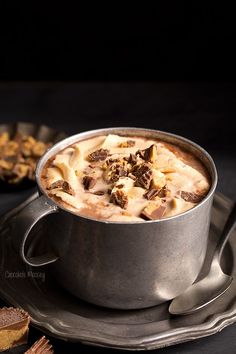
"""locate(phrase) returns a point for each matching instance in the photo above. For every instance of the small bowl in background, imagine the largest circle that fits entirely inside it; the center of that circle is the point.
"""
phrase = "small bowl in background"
(41, 133)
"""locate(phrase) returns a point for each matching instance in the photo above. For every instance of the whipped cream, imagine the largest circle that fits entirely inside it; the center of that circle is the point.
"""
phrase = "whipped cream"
(127, 179)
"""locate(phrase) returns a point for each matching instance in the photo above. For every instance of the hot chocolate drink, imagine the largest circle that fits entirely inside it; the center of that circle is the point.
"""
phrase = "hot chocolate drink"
(127, 179)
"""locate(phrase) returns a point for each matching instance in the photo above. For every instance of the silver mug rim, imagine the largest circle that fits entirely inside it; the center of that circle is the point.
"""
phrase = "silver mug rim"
(86, 134)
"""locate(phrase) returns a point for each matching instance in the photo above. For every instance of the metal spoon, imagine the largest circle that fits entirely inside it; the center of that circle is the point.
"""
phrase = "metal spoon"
(213, 285)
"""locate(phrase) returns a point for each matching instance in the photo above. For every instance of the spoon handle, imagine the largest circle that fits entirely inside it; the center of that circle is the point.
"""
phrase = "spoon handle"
(228, 228)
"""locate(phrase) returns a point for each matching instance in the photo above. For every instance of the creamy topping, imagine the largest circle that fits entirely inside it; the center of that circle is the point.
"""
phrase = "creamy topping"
(120, 178)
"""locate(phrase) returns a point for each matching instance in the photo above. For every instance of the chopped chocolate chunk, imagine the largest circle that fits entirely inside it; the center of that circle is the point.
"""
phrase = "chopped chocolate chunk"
(57, 184)
(149, 154)
(153, 212)
(145, 180)
(14, 327)
(120, 186)
(99, 193)
(152, 153)
(130, 175)
(132, 159)
(139, 170)
(120, 198)
(130, 143)
(126, 144)
(121, 172)
(144, 176)
(114, 172)
(64, 185)
(89, 182)
(111, 161)
(98, 155)
(151, 194)
(114, 178)
(41, 346)
(142, 154)
(191, 197)
(109, 191)
(163, 192)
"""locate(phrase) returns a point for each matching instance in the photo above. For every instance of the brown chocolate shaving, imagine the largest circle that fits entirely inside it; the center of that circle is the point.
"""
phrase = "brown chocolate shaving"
(89, 182)
(130, 175)
(162, 193)
(120, 186)
(99, 193)
(120, 198)
(98, 155)
(111, 161)
(191, 197)
(126, 144)
(115, 171)
(151, 194)
(142, 154)
(153, 214)
(114, 178)
(42, 346)
(148, 154)
(139, 170)
(144, 176)
(121, 171)
(64, 185)
(145, 180)
(130, 143)
(57, 184)
(132, 159)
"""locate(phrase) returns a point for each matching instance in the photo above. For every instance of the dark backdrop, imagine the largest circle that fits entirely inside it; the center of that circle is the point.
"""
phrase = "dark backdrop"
(160, 41)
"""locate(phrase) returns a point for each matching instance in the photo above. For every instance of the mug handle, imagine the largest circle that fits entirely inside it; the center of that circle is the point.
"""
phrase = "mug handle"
(23, 223)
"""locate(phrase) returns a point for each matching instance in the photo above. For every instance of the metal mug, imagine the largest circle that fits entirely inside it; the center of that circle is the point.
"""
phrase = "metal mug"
(123, 265)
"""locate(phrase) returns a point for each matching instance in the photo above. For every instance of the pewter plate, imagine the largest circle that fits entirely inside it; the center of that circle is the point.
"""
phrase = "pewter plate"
(59, 314)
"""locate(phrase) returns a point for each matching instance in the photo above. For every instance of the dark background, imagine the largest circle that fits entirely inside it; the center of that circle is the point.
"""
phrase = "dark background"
(170, 67)
(160, 41)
